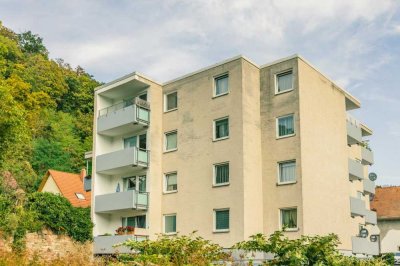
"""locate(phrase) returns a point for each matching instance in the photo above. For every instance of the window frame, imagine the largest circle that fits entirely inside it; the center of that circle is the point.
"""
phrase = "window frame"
(279, 182)
(215, 184)
(215, 78)
(166, 110)
(215, 127)
(165, 141)
(276, 81)
(165, 191)
(78, 194)
(294, 229)
(135, 219)
(164, 223)
(277, 126)
(215, 230)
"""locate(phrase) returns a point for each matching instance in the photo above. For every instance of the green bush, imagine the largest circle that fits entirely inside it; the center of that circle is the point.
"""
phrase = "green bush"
(57, 213)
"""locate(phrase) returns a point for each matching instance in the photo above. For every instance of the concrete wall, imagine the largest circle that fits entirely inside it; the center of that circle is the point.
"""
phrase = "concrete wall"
(390, 235)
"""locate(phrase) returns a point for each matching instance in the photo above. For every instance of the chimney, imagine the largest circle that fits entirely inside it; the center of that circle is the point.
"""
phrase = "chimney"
(83, 174)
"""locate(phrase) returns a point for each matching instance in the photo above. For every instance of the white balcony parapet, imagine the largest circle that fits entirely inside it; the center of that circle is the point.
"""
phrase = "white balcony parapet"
(357, 207)
(119, 201)
(370, 217)
(104, 244)
(369, 186)
(364, 246)
(356, 171)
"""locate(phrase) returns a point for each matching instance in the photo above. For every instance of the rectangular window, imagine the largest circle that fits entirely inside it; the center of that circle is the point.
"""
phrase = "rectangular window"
(289, 218)
(285, 126)
(135, 221)
(221, 173)
(284, 81)
(137, 183)
(222, 220)
(221, 85)
(221, 128)
(170, 224)
(171, 182)
(171, 101)
(130, 142)
(171, 141)
(287, 172)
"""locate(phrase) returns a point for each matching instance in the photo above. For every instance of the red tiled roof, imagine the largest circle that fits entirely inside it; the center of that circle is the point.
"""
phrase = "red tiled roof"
(69, 184)
(386, 202)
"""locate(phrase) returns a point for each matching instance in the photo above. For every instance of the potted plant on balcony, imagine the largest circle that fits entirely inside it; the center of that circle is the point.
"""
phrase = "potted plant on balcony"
(130, 230)
(120, 230)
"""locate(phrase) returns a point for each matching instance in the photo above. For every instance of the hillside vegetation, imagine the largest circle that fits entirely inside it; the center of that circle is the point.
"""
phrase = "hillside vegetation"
(46, 110)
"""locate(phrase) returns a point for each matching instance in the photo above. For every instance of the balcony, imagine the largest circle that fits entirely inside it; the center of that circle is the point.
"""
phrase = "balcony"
(356, 171)
(122, 161)
(357, 207)
(367, 156)
(369, 186)
(123, 118)
(353, 131)
(370, 217)
(119, 201)
(104, 244)
(364, 246)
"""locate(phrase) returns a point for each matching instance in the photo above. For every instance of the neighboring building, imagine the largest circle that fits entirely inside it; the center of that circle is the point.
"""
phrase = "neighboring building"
(67, 185)
(231, 150)
(387, 205)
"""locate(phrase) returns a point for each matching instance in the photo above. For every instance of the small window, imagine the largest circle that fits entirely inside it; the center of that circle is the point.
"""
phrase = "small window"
(285, 126)
(221, 174)
(170, 224)
(221, 85)
(221, 220)
(171, 141)
(221, 128)
(287, 172)
(80, 196)
(284, 81)
(171, 101)
(289, 218)
(171, 182)
(135, 221)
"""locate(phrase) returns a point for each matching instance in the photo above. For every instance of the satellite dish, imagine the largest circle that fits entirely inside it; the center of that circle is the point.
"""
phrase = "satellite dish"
(373, 238)
(364, 233)
(372, 176)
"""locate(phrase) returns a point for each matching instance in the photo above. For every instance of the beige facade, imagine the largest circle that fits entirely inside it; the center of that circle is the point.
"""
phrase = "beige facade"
(254, 199)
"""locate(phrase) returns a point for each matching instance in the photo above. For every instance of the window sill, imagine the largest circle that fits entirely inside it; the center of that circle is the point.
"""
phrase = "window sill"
(171, 150)
(221, 231)
(219, 95)
(171, 110)
(221, 185)
(291, 229)
(286, 183)
(171, 234)
(282, 92)
(170, 192)
(215, 140)
(286, 136)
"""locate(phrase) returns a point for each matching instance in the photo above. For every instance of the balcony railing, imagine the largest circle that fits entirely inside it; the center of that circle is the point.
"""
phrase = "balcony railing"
(357, 207)
(364, 246)
(369, 186)
(122, 161)
(370, 217)
(123, 117)
(104, 244)
(356, 171)
(119, 201)
(354, 135)
(367, 155)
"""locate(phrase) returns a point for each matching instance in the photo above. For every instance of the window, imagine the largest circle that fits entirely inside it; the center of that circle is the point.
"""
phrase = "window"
(80, 196)
(221, 174)
(137, 183)
(130, 142)
(221, 220)
(171, 182)
(143, 96)
(284, 81)
(135, 221)
(285, 126)
(289, 218)
(136, 141)
(170, 224)
(287, 172)
(221, 128)
(171, 101)
(221, 85)
(171, 139)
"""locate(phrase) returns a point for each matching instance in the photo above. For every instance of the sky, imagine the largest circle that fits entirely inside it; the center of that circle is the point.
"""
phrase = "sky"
(356, 43)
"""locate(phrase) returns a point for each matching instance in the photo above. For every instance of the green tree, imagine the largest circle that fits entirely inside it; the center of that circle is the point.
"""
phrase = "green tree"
(32, 43)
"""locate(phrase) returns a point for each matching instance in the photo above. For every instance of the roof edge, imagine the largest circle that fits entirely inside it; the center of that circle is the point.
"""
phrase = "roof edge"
(128, 76)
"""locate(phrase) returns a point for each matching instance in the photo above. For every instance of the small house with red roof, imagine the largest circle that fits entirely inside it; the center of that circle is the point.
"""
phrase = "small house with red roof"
(68, 185)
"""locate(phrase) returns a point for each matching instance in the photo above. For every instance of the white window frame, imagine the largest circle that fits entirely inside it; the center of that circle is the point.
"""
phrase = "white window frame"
(276, 81)
(215, 184)
(78, 194)
(166, 102)
(176, 223)
(165, 141)
(297, 219)
(215, 95)
(165, 183)
(215, 230)
(277, 126)
(279, 172)
(214, 128)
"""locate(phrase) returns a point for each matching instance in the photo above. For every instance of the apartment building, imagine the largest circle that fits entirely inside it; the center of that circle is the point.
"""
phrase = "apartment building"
(231, 150)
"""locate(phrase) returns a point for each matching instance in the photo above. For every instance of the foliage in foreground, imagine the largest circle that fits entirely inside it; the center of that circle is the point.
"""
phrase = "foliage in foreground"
(57, 213)
(306, 250)
(179, 250)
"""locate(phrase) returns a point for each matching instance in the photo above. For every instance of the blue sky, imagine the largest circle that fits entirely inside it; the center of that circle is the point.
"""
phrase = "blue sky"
(356, 43)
